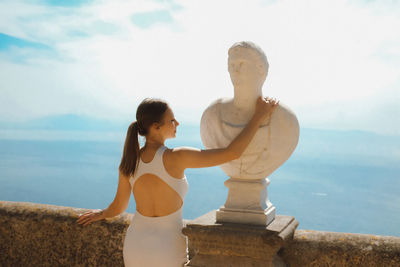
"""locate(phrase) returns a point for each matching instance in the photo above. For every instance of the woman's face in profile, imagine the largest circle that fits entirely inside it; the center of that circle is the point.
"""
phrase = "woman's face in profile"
(170, 124)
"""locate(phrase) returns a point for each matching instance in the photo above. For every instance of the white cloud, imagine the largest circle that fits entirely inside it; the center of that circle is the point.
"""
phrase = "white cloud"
(327, 58)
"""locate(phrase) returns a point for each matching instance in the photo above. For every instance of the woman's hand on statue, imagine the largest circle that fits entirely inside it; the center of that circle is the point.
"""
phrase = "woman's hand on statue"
(90, 216)
(265, 106)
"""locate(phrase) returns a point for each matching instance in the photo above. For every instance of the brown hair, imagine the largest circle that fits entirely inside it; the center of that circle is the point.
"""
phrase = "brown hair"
(148, 112)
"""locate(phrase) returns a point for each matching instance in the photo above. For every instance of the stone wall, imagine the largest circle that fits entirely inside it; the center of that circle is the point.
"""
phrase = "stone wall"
(46, 235)
(318, 248)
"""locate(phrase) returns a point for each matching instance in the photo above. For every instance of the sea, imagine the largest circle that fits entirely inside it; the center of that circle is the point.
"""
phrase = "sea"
(340, 181)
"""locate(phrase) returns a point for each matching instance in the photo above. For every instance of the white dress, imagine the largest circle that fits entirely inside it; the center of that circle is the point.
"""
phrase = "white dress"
(156, 241)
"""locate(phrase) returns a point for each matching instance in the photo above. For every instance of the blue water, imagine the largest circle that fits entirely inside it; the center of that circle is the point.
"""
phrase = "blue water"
(334, 181)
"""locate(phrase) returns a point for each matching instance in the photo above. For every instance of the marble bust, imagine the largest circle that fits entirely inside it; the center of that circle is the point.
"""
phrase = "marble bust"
(225, 118)
(273, 143)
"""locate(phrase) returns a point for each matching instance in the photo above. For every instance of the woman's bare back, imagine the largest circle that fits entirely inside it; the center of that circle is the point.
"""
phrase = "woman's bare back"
(152, 195)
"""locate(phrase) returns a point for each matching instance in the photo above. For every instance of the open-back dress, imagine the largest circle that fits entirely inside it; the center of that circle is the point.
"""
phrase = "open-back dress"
(156, 241)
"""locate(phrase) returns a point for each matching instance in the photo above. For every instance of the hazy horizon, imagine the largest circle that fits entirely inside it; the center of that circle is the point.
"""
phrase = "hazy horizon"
(334, 63)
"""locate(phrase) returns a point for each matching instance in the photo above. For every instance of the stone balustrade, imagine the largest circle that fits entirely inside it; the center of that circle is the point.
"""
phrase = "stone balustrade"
(47, 235)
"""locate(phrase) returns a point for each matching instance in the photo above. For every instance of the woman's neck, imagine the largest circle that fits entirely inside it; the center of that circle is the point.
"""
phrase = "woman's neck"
(153, 143)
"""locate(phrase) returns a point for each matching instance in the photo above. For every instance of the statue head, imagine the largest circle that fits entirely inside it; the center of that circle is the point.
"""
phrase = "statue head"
(247, 64)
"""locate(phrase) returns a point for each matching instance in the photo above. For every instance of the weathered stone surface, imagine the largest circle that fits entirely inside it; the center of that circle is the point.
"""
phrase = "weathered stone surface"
(317, 248)
(231, 244)
(47, 235)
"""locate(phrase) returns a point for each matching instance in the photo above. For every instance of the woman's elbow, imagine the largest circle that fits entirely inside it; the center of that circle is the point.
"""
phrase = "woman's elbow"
(233, 152)
(233, 155)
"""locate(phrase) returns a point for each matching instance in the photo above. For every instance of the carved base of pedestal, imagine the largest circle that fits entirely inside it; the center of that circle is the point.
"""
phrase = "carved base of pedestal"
(206, 260)
(246, 216)
(247, 203)
(213, 244)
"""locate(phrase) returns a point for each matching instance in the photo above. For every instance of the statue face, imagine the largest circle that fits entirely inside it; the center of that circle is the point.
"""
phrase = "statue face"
(245, 67)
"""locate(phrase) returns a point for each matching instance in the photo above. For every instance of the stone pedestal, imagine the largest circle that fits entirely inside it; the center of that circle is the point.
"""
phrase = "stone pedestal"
(247, 203)
(213, 244)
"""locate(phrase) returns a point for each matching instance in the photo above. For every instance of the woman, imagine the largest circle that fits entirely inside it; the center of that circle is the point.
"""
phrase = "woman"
(155, 176)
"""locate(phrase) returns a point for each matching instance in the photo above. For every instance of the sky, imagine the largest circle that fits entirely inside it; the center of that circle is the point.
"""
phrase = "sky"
(336, 64)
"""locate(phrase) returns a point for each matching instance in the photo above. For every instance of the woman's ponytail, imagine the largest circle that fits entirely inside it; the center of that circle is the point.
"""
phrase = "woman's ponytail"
(131, 151)
(148, 112)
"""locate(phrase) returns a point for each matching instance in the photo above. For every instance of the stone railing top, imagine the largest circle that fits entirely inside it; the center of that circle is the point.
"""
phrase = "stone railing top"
(47, 235)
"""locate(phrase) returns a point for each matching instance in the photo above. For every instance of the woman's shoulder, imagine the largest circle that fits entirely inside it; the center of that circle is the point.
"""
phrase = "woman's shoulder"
(179, 153)
(180, 149)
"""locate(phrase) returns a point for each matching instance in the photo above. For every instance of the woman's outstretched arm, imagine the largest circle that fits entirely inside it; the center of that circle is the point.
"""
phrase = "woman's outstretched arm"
(196, 158)
(119, 204)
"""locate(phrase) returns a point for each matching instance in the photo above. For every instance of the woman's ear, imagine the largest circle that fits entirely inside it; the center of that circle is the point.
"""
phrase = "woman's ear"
(156, 125)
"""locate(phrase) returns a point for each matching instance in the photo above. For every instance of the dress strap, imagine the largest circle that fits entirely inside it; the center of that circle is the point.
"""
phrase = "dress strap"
(157, 168)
